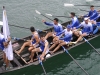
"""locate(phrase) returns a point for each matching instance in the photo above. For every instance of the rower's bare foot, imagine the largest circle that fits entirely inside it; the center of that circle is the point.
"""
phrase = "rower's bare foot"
(17, 52)
(52, 52)
(73, 42)
(31, 61)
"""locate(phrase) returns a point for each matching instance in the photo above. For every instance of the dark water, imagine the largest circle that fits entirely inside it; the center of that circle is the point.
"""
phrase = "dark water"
(22, 13)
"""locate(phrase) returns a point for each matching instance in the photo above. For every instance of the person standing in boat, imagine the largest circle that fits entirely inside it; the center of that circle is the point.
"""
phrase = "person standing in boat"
(34, 42)
(3, 45)
(92, 13)
(57, 28)
(64, 40)
(87, 29)
(44, 48)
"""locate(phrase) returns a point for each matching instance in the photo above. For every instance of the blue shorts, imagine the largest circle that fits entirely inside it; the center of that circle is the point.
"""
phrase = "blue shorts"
(33, 42)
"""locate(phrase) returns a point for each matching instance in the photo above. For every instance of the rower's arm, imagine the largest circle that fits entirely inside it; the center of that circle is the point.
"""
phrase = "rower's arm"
(67, 36)
(94, 15)
(60, 33)
(6, 43)
(36, 37)
(91, 29)
(79, 26)
(98, 23)
(49, 24)
(45, 49)
(97, 17)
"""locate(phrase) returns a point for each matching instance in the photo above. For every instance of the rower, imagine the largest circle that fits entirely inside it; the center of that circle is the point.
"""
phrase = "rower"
(92, 13)
(75, 21)
(97, 28)
(3, 45)
(63, 41)
(44, 48)
(87, 29)
(34, 42)
(57, 28)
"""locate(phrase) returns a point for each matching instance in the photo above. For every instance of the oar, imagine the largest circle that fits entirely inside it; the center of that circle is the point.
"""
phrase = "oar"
(42, 15)
(1, 23)
(91, 45)
(41, 64)
(56, 16)
(92, 0)
(68, 5)
(83, 10)
(74, 60)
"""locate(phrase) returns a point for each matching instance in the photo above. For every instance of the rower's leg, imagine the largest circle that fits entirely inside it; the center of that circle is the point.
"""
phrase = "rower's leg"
(23, 46)
(76, 33)
(48, 35)
(56, 43)
(55, 39)
(7, 62)
(4, 57)
(30, 49)
(95, 31)
(33, 52)
(60, 44)
(84, 34)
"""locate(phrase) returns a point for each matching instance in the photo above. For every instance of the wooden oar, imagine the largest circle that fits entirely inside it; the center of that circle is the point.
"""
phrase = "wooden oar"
(69, 5)
(41, 64)
(21, 57)
(1, 23)
(83, 10)
(91, 0)
(42, 15)
(56, 16)
(74, 60)
(91, 45)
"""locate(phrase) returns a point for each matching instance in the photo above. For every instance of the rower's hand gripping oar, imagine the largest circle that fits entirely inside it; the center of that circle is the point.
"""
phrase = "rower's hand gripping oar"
(74, 60)
(41, 64)
(91, 45)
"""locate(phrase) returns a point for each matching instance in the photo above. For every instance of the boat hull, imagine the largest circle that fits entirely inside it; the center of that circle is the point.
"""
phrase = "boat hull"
(50, 64)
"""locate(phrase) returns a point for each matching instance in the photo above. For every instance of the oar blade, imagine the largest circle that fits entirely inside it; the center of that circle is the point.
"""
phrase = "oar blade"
(48, 14)
(68, 5)
(37, 12)
(89, 0)
(1, 23)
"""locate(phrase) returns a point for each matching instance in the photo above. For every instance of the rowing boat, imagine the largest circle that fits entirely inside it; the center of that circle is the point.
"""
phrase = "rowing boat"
(19, 63)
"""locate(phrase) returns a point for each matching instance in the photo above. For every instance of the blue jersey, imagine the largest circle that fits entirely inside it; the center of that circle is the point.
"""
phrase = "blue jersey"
(87, 28)
(34, 40)
(67, 35)
(97, 17)
(75, 22)
(92, 14)
(1, 41)
(57, 28)
(42, 45)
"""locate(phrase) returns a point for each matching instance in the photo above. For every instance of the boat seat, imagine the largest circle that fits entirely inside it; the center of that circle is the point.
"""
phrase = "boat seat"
(17, 62)
(24, 55)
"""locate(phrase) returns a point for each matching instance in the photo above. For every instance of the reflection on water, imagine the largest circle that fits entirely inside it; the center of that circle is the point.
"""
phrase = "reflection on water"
(90, 62)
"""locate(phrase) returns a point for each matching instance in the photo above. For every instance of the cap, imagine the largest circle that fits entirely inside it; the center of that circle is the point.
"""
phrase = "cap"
(69, 26)
(86, 18)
